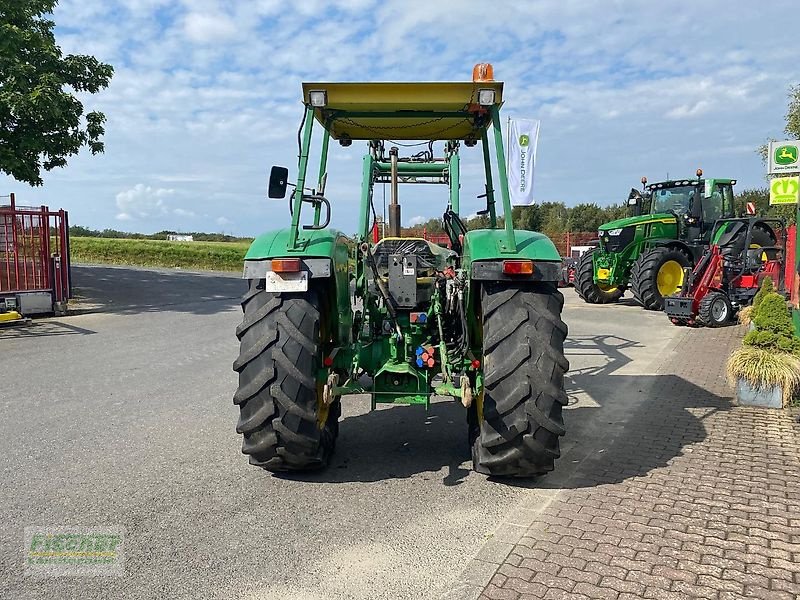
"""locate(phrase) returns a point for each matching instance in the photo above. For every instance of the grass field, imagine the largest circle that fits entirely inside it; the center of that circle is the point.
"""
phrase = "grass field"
(216, 256)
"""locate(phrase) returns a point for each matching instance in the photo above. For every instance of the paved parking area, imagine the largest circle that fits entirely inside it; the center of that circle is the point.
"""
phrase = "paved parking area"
(692, 498)
(123, 417)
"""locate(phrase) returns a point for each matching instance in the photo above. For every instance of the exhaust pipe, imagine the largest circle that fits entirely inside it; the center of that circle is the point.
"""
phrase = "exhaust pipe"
(394, 205)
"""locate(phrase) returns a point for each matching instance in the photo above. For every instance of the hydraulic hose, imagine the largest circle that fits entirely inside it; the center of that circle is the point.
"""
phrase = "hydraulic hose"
(382, 288)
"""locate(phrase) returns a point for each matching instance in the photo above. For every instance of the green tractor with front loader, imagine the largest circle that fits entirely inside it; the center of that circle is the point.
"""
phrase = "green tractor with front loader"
(648, 252)
(400, 318)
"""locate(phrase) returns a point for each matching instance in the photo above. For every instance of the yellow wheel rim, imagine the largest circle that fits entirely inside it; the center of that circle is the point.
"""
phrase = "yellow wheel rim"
(322, 408)
(669, 278)
(764, 257)
(607, 288)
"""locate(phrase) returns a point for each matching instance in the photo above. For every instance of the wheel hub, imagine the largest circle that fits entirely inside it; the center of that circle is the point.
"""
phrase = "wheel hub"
(670, 278)
(719, 310)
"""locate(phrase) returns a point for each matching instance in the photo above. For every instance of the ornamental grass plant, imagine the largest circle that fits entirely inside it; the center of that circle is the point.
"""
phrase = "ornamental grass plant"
(770, 354)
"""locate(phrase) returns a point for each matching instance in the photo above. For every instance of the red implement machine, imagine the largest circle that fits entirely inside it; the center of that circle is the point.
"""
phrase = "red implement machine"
(743, 252)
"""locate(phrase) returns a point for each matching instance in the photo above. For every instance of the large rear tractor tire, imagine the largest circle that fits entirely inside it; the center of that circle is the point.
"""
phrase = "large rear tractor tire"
(762, 236)
(592, 292)
(715, 310)
(284, 421)
(517, 419)
(656, 274)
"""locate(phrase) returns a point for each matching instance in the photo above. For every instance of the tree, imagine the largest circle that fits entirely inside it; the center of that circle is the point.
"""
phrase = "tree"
(554, 216)
(760, 197)
(586, 217)
(792, 129)
(41, 121)
(793, 114)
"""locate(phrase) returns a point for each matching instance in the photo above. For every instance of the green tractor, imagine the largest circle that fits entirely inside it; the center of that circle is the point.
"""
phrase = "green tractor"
(668, 231)
(399, 318)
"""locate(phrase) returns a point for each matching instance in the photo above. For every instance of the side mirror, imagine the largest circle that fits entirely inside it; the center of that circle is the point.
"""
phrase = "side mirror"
(697, 205)
(278, 180)
(634, 197)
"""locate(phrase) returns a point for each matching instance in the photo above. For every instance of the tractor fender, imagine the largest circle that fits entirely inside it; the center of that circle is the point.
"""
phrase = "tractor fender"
(483, 256)
(693, 252)
(323, 253)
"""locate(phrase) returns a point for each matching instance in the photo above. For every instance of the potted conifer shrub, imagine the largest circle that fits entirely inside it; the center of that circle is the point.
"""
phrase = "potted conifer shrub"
(766, 369)
(746, 314)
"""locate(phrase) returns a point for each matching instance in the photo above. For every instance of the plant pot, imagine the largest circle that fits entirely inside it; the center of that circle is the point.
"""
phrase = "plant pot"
(764, 396)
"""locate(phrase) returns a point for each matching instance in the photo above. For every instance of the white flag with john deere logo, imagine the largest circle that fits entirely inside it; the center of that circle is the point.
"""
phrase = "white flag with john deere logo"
(523, 135)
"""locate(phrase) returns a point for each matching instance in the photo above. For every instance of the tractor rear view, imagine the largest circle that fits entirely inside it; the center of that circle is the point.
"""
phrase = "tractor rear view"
(402, 319)
(669, 230)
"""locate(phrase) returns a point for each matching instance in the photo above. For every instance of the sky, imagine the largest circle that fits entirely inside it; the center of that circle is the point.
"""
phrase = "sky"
(206, 96)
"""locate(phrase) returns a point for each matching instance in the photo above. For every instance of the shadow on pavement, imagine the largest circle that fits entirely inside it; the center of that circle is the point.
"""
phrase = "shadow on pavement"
(608, 444)
(43, 329)
(630, 425)
(399, 442)
(630, 439)
(132, 291)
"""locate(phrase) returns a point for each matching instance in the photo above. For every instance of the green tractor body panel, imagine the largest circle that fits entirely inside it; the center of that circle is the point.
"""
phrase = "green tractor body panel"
(321, 243)
(486, 244)
(623, 240)
(639, 220)
(275, 244)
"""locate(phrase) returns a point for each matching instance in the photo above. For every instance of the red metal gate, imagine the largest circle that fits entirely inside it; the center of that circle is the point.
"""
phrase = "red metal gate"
(34, 252)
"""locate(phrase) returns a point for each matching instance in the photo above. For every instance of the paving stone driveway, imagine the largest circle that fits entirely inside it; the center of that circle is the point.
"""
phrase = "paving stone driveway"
(717, 515)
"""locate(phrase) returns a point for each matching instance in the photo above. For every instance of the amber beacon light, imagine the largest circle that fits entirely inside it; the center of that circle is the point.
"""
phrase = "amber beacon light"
(482, 72)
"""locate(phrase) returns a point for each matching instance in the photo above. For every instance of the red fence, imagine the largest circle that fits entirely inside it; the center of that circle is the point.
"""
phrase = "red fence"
(565, 241)
(791, 276)
(34, 251)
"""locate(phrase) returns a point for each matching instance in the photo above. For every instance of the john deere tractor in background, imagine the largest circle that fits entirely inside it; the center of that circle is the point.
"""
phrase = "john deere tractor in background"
(669, 230)
(402, 319)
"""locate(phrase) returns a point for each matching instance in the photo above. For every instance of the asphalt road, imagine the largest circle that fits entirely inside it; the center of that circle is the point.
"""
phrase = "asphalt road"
(123, 417)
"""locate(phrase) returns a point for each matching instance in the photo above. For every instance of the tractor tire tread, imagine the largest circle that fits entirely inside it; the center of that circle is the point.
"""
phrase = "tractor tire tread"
(277, 393)
(644, 274)
(524, 367)
(585, 286)
(704, 309)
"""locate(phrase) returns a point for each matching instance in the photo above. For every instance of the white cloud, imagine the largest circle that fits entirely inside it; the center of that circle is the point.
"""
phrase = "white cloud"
(206, 27)
(418, 220)
(182, 212)
(689, 110)
(206, 95)
(142, 202)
